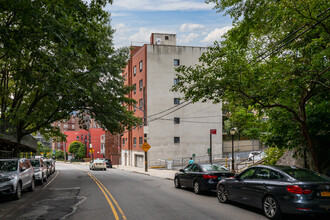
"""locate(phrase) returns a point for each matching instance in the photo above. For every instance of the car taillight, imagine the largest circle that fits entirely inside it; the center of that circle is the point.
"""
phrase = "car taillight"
(209, 177)
(298, 190)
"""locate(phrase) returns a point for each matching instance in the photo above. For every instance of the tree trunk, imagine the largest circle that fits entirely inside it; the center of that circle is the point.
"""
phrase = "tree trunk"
(311, 147)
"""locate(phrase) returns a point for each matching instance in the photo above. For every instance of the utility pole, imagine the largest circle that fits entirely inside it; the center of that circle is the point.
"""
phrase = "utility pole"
(145, 132)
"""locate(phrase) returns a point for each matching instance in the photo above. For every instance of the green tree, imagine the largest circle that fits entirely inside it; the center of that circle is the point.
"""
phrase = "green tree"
(248, 124)
(59, 155)
(82, 151)
(57, 57)
(74, 147)
(42, 149)
(276, 56)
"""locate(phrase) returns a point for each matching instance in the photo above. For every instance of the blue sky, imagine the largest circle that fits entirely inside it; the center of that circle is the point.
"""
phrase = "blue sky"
(194, 22)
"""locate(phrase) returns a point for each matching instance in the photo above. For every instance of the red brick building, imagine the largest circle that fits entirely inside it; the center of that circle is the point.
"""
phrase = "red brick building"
(93, 137)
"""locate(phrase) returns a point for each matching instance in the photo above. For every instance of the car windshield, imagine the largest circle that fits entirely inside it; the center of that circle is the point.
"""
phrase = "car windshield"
(98, 161)
(35, 163)
(8, 166)
(213, 167)
(306, 175)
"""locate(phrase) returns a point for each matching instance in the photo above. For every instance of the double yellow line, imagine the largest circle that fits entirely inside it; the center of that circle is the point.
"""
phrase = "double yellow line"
(107, 194)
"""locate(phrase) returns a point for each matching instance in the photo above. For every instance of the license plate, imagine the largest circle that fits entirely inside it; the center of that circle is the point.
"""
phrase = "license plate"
(99, 164)
(325, 193)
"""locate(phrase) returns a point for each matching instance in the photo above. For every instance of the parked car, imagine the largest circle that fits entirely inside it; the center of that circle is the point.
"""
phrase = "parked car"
(278, 189)
(109, 163)
(15, 176)
(40, 170)
(98, 164)
(201, 176)
(256, 155)
(51, 166)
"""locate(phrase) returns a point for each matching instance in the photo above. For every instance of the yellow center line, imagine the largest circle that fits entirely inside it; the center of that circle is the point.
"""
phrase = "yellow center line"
(103, 188)
(113, 199)
(106, 196)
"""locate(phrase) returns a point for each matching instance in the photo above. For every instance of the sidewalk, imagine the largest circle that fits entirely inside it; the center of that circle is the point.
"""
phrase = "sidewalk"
(162, 173)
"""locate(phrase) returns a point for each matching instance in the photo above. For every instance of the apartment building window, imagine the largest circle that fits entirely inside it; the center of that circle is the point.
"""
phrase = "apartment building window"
(82, 137)
(141, 65)
(72, 120)
(176, 62)
(134, 70)
(102, 149)
(176, 81)
(135, 88)
(123, 142)
(134, 142)
(72, 127)
(176, 120)
(176, 140)
(140, 103)
(135, 108)
(65, 126)
(77, 138)
(140, 141)
(176, 101)
(141, 84)
(166, 37)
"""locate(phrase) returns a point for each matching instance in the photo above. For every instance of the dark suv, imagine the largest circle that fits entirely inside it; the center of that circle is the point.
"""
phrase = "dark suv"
(15, 176)
(109, 163)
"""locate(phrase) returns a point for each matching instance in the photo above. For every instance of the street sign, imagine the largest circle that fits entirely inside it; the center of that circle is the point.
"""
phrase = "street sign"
(145, 146)
(213, 131)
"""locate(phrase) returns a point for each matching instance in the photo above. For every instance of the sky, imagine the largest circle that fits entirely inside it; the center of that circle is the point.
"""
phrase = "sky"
(194, 22)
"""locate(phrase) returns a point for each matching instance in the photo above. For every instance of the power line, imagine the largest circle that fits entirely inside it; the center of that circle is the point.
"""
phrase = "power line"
(265, 55)
(171, 112)
(166, 109)
(196, 122)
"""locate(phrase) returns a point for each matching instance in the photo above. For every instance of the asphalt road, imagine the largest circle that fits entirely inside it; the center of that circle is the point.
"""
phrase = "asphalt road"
(75, 192)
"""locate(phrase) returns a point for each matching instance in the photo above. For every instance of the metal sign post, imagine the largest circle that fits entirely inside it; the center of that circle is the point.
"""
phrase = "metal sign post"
(212, 131)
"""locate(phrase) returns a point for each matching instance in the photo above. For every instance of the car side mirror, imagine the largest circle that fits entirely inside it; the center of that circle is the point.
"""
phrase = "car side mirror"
(181, 170)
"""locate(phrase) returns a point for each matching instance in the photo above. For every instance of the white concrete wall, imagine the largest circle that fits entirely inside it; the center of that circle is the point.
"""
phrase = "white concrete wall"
(194, 137)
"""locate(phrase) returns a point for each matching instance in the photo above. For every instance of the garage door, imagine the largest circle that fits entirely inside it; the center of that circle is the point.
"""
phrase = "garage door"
(139, 161)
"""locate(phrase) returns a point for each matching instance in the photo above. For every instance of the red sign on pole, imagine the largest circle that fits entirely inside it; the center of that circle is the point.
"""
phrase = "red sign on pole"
(213, 131)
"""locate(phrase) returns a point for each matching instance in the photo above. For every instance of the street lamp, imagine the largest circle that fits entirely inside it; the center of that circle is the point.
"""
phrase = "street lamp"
(232, 132)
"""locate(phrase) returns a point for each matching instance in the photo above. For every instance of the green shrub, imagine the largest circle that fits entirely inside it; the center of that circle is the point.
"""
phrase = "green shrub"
(272, 154)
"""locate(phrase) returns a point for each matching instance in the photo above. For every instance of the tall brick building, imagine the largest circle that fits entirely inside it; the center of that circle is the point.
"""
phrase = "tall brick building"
(177, 129)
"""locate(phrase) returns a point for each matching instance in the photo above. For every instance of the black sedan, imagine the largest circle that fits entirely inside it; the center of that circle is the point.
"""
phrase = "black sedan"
(201, 176)
(109, 163)
(278, 189)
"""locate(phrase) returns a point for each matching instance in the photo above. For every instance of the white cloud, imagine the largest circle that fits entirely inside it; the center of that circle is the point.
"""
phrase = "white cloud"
(188, 38)
(216, 34)
(160, 5)
(191, 27)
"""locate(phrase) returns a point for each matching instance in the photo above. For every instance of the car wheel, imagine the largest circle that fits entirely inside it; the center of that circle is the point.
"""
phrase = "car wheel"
(31, 188)
(271, 208)
(18, 192)
(197, 187)
(222, 194)
(177, 182)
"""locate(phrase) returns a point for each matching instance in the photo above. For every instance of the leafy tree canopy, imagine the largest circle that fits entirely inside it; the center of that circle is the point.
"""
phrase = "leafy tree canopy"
(57, 57)
(74, 147)
(82, 151)
(276, 56)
